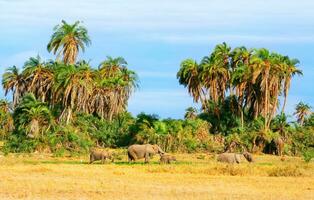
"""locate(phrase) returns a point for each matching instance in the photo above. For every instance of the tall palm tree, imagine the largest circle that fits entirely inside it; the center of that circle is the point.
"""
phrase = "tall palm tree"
(215, 72)
(276, 78)
(67, 40)
(240, 81)
(39, 78)
(302, 110)
(13, 80)
(73, 87)
(189, 76)
(191, 113)
(290, 71)
(240, 76)
(262, 63)
(113, 85)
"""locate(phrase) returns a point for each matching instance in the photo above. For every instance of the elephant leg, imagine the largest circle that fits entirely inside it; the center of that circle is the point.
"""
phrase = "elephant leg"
(103, 158)
(278, 150)
(237, 159)
(91, 159)
(146, 157)
(131, 156)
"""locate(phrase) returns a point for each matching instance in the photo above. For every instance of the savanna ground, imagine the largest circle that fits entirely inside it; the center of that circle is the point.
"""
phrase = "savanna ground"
(194, 176)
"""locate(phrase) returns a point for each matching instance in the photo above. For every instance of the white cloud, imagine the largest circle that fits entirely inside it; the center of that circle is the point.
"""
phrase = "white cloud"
(197, 38)
(171, 14)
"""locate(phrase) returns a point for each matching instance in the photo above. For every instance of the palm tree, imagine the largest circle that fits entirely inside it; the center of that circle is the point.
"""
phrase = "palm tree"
(240, 77)
(113, 85)
(215, 72)
(13, 80)
(302, 110)
(73, 87)
(39, 78)
(32, 116)
(6, 120)
(111, 66)
(5, 106)
(240, 81)
(189, 76)
(240, 56)
(262, 63)
(279, 124)
(104, 92)
(290, 71)
(67, 40)
(191, 113)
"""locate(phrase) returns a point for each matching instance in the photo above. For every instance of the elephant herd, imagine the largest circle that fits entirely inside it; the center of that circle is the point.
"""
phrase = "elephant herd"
(145, 151)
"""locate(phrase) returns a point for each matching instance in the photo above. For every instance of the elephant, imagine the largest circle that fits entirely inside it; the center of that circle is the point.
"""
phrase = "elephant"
(167, 159)
(102, 155)
(276, 146)
(279, 143)
(234, 157)
(137, 151)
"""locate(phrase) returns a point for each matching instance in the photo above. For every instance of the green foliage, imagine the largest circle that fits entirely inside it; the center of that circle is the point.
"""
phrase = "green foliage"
(308, 155)
(69, 107)
(222, 115)
(19, 143)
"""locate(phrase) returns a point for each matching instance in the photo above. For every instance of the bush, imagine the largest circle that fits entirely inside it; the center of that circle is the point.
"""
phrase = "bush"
(308, 155)
(17, 144)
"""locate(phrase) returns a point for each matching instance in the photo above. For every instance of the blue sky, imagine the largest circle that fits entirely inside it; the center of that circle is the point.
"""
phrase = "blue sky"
(155, 36)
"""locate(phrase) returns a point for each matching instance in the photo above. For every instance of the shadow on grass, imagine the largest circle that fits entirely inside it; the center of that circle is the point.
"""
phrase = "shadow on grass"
(78, 162)
(265, 164)
(70, 162)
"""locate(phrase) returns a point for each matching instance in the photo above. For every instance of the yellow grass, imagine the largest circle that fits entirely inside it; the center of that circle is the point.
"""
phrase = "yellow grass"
(193, 177)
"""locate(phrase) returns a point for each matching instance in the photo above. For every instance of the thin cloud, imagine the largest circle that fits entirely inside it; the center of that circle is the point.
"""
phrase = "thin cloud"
(152, 15)
(192, 39)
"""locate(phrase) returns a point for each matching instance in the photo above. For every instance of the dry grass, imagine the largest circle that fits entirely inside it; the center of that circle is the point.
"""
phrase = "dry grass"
(195, 176)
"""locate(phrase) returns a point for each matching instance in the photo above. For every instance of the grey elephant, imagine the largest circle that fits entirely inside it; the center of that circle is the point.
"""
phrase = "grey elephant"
(97, 154)
(167, 159)
(234, 157)
(279, 143)
(137, 151)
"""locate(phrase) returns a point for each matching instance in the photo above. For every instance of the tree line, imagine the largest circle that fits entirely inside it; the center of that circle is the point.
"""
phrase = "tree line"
(253, 78)
(67, 105)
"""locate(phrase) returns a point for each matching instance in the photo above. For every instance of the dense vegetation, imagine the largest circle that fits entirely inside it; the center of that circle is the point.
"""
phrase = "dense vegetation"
(67, 105)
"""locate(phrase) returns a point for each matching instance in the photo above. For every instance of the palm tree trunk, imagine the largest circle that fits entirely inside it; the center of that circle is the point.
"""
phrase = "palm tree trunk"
(284, 103)
(242, 119)
(69, 116)
(266, 106)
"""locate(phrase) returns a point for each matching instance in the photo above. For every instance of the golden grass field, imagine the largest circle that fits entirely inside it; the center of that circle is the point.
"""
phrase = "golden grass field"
(194, 176)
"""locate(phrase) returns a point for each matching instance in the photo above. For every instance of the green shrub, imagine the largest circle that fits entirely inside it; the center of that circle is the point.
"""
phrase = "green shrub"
(308, 155)
(18, 144)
